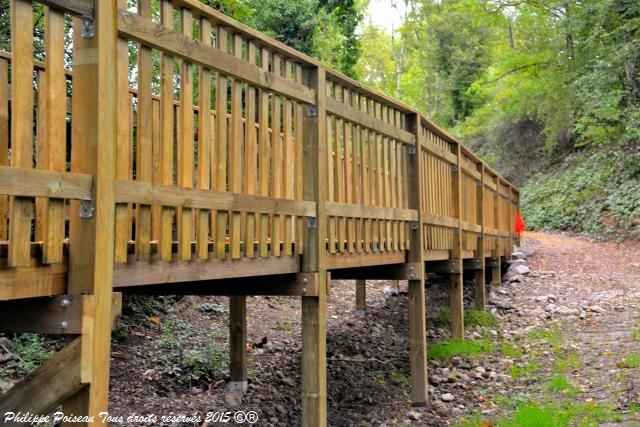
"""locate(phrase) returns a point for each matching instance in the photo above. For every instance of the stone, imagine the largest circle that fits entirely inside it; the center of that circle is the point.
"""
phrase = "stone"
(518, 255)
(597, 309)
(566, 311)
(518, 262)
(413, 415)
(447, 397)
(233, 399)
(517, 278)
(519, 269)
(481, 369)
(550, 308)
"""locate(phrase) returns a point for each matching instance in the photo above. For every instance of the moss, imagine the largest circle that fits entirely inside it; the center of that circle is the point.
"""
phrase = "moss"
(452, 348)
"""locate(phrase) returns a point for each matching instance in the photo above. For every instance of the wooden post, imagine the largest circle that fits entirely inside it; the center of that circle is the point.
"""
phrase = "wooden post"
(394, 286)
(361, 297)
(238, 342)
(479, 274)
(496, 274)
(314, 309)
(417, 300)
(457, 298)
(91, 253)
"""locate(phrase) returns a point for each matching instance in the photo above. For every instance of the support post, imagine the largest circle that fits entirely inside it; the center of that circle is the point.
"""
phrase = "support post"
(457, 297)
(417, 300)
(480, 287)
(238, 342)
(361, 297)
(314, 308)
(496, 274)
(91, 251)
(394, 285)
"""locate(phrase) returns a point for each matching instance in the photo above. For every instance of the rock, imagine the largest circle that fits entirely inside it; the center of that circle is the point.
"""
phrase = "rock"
(518, 255)
(519, 269)
(493, 375)
(550, 308)
(518, 262)
(413, 415)
(597, 309)
(541, 298)
(481, 369)
(583, 315)
(505, 305)
(447, 397)
(517, 278)
(566, 311)
(195, 390)
(233, 399)
(288, 381)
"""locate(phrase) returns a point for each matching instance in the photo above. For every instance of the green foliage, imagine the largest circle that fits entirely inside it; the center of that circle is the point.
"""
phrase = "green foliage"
(475, 317)
(631, 360)
(591, 193)
(459, 348)
(189, 354)
(525, 370)
(209, 307)
(29, 350)
(560, 384)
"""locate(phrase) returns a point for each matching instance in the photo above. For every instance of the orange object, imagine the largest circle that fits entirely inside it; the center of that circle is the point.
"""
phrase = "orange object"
(520, 224)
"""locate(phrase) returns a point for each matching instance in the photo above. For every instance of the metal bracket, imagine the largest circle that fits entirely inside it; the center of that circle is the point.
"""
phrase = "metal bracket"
(312, 222)
(412, 149)
(88, 28)
(456, 231)
(86, 209)
(478, 184)
(312, 111)
(454, 168)
(374, 246)
(414, 225)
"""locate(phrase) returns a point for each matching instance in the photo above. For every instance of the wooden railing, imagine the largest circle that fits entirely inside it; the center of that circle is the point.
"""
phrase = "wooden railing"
(183, 146)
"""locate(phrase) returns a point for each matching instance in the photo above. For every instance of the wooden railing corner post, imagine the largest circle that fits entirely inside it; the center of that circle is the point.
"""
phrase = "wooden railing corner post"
(457, 287)
(314, 308)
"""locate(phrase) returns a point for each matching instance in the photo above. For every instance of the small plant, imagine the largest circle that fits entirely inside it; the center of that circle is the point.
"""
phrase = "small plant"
(444, 318)
(520, 371)
(484, 318)
(285, 325)
(631, 360)
(210, 307)
(510, 350)
(568, 362)
(559, 384)
(29, 349)
(635, 335)
(459, 348)
(400, 378)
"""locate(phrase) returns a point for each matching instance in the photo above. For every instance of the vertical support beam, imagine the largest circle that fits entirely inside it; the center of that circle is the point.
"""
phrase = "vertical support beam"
(91, 255)
(496, 275)
(479, 277)
(417, 300)
(238, 342)
(394, 286)
(510, 224)
(361, 297)
(314, 309)
(457, 298)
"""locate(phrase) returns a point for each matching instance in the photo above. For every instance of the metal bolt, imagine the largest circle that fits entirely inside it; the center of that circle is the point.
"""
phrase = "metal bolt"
(304, 290)
(65, 302)
(305, 280)
(411, 268)
(64, 325)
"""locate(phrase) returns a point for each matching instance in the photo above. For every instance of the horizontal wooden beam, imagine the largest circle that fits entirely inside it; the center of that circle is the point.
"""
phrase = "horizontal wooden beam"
(167, 195)
(358, 117)
(439, 152)
(48, 386)
(61, 314)
(442, 221)
(44, 183)
(85, 8)
(353, 260)
(149, 33)
(299, 284)
(352, 210)
(406, 271)
(32, 281)
(472, 264)
(443, 267)
(141, 273)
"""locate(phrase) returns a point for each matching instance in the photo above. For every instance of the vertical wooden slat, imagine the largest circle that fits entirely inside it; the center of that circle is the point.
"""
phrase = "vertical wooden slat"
(41, 203)
(204, 144)
(221, 134)
(185, 141)
(276, 159)
(55, 130)
(299, 164)
(361, 296)
(457, 297)
(235, 151)
(4, 139)
(479, 275)
(21, 127)
(251, 160)
(263, 156)
(144, 142)
(288, 160)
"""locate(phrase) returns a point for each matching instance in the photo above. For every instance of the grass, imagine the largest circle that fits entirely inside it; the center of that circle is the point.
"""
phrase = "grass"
(472, 317)
(631, 360)
(568, 362)
(510, 350)
(452, 348)
(635, 335)
(560, 384)
(548, 414)
(285, 325)
(527, 370)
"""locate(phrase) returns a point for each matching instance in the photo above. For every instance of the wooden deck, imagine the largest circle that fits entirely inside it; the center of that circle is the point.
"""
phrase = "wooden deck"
(234, 165)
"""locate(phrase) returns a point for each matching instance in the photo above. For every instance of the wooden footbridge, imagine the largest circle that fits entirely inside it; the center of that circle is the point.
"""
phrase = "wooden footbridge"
(169, 149)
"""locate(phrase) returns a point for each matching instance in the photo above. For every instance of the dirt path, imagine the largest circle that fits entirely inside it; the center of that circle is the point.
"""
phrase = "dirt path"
(562, 348)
